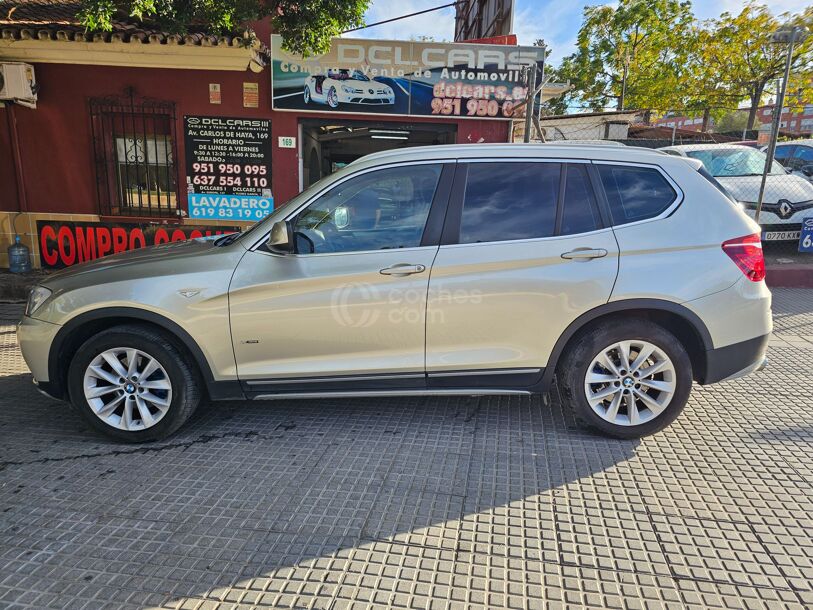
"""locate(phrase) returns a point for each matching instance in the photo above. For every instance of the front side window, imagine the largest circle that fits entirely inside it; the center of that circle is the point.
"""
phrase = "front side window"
(507, 201)
(381, 209)
(635, 193)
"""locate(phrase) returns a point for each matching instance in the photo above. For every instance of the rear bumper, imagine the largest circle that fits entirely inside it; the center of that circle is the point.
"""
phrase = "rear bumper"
(735, 360)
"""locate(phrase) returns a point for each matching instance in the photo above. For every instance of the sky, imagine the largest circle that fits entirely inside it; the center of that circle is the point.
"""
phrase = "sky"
(556, 21)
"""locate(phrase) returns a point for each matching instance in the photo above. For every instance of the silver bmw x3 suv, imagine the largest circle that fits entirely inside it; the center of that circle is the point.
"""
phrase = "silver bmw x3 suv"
(625, 274)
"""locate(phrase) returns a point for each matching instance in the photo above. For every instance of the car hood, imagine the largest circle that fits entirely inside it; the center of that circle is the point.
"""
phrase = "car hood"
(777, 187)
(134, 262)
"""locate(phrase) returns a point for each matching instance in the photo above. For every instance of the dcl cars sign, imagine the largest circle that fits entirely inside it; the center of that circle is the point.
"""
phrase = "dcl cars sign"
(404, 78)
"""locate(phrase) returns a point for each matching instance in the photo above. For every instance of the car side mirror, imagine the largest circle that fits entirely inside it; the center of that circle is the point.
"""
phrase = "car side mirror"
(281, 238)
(807, 170)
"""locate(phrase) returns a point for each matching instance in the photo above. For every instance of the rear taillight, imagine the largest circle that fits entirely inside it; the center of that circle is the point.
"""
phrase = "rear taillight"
(746, 252)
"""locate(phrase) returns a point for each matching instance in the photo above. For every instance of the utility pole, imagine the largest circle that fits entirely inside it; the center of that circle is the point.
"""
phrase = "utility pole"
(789, 35)
(529, 104)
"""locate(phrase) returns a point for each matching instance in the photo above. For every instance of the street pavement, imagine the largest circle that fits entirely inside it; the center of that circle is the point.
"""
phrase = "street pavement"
(417, 502)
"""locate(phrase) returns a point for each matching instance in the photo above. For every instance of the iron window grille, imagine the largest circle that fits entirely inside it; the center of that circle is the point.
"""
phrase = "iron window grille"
(134, 145)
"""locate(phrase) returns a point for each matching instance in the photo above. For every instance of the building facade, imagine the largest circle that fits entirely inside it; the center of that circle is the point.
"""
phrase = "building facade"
(139, 137)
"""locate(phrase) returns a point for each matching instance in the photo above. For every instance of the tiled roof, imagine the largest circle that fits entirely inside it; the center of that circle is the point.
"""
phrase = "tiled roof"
(56, 20)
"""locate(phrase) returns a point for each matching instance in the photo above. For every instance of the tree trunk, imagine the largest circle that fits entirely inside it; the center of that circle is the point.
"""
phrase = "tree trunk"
(706, 116)
(756, 97)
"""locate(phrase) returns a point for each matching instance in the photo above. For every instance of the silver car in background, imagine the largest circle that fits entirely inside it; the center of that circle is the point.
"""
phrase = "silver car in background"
(788, 198)
(447, 270)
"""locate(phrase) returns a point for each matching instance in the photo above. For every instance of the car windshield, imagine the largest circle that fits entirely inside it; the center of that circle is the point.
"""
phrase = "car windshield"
(348, 75)
(734, 161)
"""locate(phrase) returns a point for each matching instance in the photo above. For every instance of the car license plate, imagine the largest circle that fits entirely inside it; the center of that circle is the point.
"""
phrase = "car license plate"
(781, 235)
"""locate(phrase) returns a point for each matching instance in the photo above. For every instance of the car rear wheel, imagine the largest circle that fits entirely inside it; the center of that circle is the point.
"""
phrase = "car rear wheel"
(133, 384)
(307, 94)
(627, 378)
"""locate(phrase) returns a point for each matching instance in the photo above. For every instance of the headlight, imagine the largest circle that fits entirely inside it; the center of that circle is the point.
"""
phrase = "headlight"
(37, 296)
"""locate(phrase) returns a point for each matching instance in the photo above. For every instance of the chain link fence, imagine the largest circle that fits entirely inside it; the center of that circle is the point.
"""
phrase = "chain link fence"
(736, 163)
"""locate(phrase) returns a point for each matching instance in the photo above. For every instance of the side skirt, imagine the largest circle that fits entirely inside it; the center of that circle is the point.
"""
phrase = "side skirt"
(383, 393)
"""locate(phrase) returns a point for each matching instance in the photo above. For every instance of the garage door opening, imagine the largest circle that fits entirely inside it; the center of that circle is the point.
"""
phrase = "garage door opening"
(328, 146)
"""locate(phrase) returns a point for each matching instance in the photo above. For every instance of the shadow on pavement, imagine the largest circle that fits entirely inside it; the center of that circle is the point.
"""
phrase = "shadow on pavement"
(305, 489)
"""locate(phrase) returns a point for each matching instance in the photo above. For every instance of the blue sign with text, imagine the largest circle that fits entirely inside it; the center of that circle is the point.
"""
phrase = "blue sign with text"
(229, 207)
(806, 238)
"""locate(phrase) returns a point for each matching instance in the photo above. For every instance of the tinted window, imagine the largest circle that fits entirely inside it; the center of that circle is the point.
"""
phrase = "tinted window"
(782, 153)
(804, 154)
(579, 214)
(377, 210)
(505, 201)
(635, 193)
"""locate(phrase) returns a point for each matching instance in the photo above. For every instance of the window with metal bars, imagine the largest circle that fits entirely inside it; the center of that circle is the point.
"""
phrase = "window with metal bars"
(135, 150)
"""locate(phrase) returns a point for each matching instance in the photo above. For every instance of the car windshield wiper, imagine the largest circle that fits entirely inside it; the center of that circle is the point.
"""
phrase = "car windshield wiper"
(227, 239)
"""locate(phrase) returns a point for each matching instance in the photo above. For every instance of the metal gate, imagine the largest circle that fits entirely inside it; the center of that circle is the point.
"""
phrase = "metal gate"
(134, 147)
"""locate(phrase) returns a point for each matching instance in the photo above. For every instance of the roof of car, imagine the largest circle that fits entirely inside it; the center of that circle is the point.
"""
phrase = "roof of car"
(804, 142)
(693, 147)
(535, 150)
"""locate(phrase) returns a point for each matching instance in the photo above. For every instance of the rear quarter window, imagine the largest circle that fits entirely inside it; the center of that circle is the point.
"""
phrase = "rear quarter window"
(635, 193)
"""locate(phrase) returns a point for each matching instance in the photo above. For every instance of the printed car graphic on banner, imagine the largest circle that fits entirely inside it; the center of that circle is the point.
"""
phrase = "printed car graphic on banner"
(405, 78)
(344, 86)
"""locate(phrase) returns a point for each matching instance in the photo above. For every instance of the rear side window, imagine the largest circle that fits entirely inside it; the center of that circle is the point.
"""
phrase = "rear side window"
(506, 201)
(635, 193)
(580, 212)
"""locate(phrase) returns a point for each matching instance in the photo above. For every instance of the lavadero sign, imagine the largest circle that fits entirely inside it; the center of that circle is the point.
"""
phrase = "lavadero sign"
(63, 244)
(479, 81)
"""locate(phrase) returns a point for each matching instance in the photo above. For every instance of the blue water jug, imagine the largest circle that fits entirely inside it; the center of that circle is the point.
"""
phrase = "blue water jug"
(19, 259)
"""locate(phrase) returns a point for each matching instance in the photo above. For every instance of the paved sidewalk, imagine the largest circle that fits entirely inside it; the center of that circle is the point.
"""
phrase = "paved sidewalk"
(417, 503)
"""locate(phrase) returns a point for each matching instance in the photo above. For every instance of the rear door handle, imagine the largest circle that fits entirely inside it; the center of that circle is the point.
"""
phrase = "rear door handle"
(585, 254)
(403, 269)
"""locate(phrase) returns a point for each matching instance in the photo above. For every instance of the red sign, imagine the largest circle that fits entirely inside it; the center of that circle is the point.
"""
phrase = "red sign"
(63, 244)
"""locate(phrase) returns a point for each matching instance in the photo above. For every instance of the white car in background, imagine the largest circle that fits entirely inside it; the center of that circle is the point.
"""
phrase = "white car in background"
(788, 198)
(346, 87)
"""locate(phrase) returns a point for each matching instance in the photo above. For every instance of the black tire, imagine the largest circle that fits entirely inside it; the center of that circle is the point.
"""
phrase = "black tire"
(586, 346)
(186, 394)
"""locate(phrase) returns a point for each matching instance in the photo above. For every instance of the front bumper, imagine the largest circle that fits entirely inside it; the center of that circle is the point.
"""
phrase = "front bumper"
(35, 338)
(736, 360)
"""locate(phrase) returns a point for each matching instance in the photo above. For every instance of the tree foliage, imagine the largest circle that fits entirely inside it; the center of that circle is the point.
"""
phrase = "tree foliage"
(630, 54)
(654, 55)
(306, 26)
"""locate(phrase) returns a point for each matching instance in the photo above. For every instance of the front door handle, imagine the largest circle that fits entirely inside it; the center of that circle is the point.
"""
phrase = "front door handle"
(585, 254)
(403, 269)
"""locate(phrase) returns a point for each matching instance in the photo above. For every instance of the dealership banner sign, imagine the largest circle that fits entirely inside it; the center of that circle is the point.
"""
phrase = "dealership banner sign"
(63, 244)
(228, 167)
(480, 81)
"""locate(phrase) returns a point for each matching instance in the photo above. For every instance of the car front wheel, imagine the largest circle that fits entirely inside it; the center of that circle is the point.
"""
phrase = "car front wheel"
(131, 383)
(333, 98)
(627, 379)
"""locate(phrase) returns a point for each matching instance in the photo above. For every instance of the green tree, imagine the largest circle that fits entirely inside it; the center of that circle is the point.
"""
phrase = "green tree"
(738, 48)
(306, 26)
(631, 54)
(734, 121)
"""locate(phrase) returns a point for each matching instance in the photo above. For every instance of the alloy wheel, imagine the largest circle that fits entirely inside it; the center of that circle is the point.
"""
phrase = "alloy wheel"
(127, 388)
(307, 94)
(332, 98)
(630, 382)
